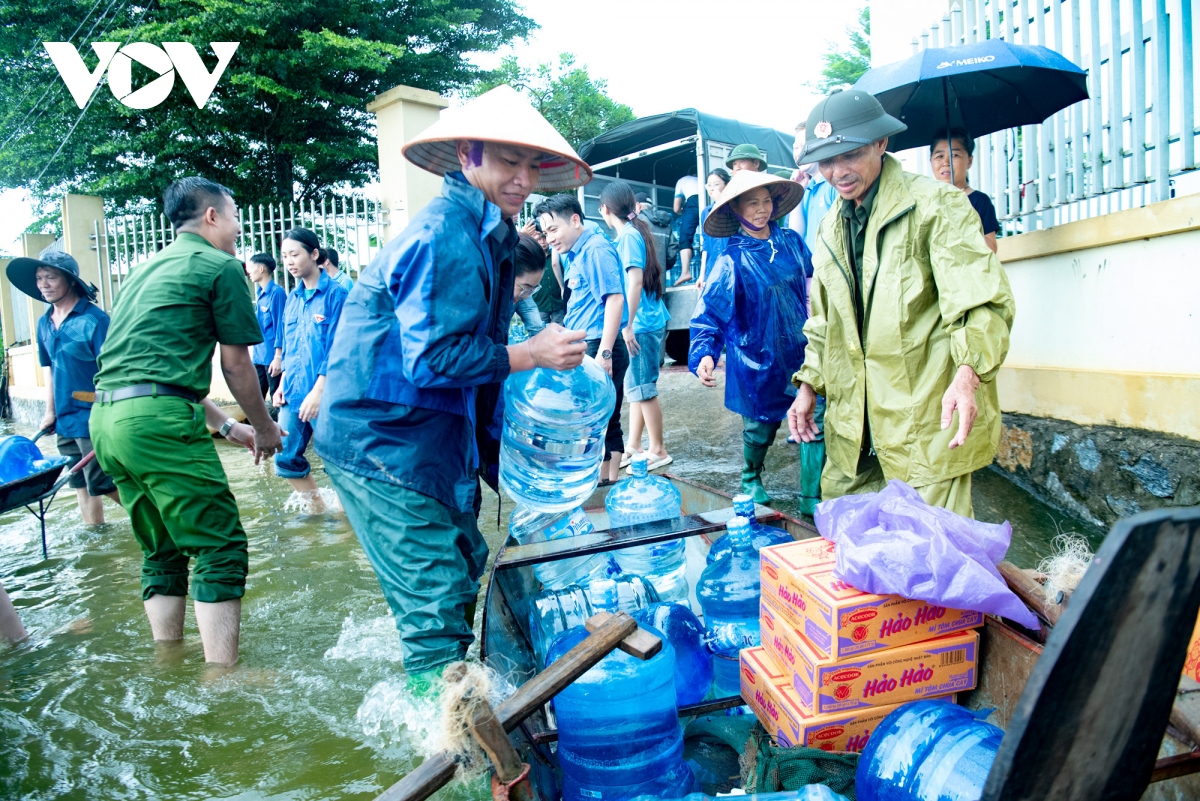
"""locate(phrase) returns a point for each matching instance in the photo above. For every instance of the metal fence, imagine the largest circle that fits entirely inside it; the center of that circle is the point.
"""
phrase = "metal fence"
(355, 227)
(1124, 147)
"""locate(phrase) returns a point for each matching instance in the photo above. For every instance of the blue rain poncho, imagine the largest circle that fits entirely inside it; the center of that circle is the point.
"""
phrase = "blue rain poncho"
(754, 306)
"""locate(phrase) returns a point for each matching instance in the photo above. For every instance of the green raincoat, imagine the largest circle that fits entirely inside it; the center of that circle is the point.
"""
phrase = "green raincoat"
(935, 298)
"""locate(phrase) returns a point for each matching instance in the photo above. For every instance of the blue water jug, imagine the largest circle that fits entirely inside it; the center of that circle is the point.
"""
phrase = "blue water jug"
(685, 632)
(18, 458)
(927, 751)
(553, 439)
(728, 592)
(643, 498)
(618, 729)
(809, 792)
(556, 611)
(526, 526)
(761, 536)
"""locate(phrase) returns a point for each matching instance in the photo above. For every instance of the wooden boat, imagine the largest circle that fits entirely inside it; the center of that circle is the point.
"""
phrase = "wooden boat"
(1008, 654)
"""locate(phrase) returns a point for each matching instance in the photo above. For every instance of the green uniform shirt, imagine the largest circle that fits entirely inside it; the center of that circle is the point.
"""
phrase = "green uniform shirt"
(170, 314)
(856, 242)
(549, 297)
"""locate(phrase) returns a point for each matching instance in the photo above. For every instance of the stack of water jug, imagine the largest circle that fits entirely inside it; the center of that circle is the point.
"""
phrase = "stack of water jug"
(618, 725)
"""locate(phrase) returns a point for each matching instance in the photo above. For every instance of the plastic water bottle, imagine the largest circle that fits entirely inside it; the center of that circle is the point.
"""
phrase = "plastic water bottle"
(553, 439)
(685, 632)
(927, 751)
(809, 792)
(728, 592)
(526, 526)
(21, 458)
(618, 729)
(761, 536)
(643, 498)
(556, 611)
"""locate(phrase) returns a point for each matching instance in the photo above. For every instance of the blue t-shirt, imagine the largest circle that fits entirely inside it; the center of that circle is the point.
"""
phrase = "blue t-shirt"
(70, 352)
(818, 200)
(652, 312)
(593, 272)
(344, 280)
(714, 246)
(268, 307)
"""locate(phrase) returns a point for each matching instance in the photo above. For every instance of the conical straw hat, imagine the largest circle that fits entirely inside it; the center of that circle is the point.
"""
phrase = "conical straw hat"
(786, 193)
(501, 115)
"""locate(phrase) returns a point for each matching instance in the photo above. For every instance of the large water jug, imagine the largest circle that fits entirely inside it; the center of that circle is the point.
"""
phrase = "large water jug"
(761, 536)
(526, 526)
(20, 458)
(927, 751)
(618, 729)
(809, 792)
(643, 498)
(556, 611)
(553, 439)
(685, 632)
(728, 592)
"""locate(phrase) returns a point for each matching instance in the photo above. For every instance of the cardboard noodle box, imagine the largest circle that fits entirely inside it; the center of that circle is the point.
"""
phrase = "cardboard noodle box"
(768, 691)
(840, 621)
(906, 673)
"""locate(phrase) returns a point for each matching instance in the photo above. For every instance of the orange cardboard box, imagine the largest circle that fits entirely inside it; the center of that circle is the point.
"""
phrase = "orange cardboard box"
(840, 621)
(897, 675)
(1191, 667)
(777, 706)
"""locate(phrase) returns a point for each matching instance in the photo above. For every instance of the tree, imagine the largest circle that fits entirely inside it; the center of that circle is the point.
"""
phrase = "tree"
(845, 65)
(288, 119)
(573, 102)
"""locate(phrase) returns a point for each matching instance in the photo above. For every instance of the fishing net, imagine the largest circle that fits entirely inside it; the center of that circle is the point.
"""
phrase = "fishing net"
(465, 685)
(769, 768)
(1064, 569)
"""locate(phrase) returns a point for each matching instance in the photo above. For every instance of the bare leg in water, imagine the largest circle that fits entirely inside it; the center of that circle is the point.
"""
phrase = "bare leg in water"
(219, 623)
(307, 487)
(10, 624)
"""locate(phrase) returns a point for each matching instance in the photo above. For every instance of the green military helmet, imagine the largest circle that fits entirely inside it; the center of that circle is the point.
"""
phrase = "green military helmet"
(781, 172)
(845, 121)
(747, 151)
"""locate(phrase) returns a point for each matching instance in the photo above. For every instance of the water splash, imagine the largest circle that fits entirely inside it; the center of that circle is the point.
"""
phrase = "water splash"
(367, 640)
(321, 501)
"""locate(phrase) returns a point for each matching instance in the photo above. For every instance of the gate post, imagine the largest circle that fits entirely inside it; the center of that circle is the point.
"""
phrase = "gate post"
(83, 226)
(401, 113)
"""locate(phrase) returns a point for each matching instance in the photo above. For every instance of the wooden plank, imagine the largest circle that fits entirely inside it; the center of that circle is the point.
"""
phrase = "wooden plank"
(1089, 725)
(641, 644)
(1031, 593)
(492, 738)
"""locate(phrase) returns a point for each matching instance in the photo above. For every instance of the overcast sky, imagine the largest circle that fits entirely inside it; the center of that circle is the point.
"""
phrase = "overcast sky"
(754, 61)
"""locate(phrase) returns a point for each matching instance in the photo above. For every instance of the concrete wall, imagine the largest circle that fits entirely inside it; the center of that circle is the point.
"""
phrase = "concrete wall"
(401, 113)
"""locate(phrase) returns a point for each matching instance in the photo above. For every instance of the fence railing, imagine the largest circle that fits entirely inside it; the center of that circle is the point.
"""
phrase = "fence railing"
(355, 227)
(1119, 149)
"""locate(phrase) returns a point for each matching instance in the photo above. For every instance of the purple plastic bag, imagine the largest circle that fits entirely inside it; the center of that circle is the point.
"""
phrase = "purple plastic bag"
(893, 543)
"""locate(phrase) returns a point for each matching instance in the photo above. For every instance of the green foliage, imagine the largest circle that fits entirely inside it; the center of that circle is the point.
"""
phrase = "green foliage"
(574, 102)
(845, 65)
(288, 119)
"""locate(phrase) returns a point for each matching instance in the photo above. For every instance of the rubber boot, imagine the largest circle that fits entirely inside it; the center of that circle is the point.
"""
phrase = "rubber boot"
(812, 462)
(754, 456)
(427, 684)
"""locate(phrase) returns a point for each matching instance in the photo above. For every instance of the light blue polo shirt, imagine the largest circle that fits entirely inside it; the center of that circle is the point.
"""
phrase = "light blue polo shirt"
(593, 273)
(652, 312)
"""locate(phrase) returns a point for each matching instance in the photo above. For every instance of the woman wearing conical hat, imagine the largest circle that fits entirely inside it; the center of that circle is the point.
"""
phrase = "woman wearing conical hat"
(754, 306)
(417, 362)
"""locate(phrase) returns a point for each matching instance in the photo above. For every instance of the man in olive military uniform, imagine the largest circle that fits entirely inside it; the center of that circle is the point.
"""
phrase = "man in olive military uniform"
(148, 423)
(746, 157)
(910, 319)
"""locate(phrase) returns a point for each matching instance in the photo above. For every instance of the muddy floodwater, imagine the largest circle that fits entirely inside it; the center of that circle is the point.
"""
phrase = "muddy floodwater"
(91, 708)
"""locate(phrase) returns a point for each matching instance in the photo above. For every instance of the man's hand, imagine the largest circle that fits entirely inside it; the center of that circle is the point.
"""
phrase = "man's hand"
(277, 399)
(961, 396)
(48, 421)
(606, 364)
(268, 441)
(275, 367)
(242, 434)
(530, 228)
(557, 348)
(310, 405)
(631, 341)
(801, 423)
(704, 371)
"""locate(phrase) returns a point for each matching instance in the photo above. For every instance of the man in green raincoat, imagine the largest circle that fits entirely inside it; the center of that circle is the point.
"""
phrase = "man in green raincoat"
(910, 319)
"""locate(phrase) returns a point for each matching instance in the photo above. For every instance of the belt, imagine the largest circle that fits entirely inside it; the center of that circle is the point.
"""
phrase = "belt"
(143, 391)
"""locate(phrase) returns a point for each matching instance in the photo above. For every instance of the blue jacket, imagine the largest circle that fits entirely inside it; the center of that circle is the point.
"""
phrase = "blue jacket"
(309, 325)
(754, 306)
(268, 307)
(70, 352)
(421, 351)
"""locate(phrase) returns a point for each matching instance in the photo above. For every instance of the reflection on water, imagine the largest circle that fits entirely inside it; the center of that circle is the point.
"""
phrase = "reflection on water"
(91, 708)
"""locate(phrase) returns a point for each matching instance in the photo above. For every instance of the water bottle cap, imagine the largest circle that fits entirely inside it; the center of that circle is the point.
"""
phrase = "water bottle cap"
(604, 594)
(738, 531)
(639, 464)
(743, 505)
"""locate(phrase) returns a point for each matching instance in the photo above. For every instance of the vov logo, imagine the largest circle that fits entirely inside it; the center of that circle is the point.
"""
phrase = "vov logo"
(172, 57)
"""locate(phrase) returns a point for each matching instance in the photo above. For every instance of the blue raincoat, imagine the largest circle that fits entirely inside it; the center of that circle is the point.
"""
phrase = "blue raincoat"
(754, 306)
(422, 336)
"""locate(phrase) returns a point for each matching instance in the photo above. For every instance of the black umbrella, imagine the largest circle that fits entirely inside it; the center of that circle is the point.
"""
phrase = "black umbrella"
(980, 88)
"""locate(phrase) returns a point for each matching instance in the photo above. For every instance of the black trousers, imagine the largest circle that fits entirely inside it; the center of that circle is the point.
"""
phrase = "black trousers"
(614, 438)
(266, 382)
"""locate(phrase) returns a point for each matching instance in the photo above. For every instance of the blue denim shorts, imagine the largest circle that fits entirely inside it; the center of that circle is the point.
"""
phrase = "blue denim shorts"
(290, 463)
(641, 379)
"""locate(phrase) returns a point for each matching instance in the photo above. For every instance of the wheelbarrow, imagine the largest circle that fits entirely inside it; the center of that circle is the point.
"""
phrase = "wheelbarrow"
(40, 487)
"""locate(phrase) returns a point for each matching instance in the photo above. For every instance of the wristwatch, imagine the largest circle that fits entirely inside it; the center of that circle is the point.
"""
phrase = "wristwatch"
(606, 354)
(226, 427)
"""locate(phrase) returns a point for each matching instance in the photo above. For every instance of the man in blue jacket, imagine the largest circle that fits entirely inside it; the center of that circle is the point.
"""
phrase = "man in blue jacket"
(416, 364)
(269, 300)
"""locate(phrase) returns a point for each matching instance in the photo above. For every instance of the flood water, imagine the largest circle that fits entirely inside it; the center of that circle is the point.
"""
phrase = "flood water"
(91, 708)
